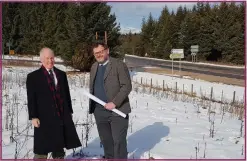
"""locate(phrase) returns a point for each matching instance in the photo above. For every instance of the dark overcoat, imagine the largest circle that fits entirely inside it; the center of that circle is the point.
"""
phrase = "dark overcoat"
(54, 133)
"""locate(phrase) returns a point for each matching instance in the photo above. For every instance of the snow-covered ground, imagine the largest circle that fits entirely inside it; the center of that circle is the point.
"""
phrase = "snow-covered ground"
(162, 125)
(201, 88)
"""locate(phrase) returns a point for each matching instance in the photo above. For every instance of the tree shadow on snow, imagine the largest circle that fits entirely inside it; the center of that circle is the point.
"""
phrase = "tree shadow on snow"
(145, 139)
(140, 142)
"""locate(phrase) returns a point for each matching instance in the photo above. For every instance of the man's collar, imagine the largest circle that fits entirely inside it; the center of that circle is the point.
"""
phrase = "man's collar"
(52, 69)
(104, 63)
(44, 68)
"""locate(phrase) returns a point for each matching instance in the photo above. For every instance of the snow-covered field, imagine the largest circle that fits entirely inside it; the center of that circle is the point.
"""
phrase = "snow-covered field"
(200, 88)
(163, 125)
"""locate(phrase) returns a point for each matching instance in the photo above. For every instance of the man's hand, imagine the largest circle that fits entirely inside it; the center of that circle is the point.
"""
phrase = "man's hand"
(110, 106)
(35, 122)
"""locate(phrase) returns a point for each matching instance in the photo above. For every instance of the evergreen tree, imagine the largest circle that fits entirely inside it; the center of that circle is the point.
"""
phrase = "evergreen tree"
(163, 41)
(67, 28)
(11, 33)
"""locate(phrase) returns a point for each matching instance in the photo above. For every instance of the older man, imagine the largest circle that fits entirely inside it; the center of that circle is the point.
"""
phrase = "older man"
(50, 109)
(110, 81)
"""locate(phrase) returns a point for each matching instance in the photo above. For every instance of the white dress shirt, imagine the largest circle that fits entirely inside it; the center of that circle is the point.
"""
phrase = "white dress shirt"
(53, 75)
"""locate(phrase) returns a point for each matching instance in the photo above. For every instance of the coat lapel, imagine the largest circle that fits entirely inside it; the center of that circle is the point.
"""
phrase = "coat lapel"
(108, 69)
(44, 80)
(94, 71)
(93, 74)
(43, 77)
(57, 74)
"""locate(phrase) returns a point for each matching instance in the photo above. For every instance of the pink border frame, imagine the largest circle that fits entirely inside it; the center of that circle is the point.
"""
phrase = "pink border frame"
(37, 1)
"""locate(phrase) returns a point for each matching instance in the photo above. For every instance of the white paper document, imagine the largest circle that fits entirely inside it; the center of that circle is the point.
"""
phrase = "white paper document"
(103, 103)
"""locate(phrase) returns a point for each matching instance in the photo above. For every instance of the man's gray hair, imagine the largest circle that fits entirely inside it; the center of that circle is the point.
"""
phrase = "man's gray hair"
(42, 51)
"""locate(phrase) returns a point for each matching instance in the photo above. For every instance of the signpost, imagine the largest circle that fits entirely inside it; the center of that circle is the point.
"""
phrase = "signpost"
(177, 54)
(9, 44)
(194, 50)
(11, 52)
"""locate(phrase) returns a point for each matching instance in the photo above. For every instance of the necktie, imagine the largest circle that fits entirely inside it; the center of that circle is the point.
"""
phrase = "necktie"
(52, 77)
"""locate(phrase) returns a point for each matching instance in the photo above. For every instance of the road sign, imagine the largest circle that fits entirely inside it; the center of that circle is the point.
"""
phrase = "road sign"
(177, 54)
(11, 52)
(194, 48)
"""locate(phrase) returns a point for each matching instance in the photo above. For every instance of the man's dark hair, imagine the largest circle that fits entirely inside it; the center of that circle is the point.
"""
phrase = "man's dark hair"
(96, 43)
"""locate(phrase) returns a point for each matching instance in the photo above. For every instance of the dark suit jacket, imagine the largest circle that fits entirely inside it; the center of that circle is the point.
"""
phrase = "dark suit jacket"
(50, 136)
(117, 84)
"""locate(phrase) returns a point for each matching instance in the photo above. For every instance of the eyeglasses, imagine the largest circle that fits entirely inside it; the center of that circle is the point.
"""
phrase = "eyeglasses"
(99, 52)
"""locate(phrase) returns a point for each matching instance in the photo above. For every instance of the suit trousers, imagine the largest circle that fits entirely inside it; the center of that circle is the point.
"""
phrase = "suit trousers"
(112, 132)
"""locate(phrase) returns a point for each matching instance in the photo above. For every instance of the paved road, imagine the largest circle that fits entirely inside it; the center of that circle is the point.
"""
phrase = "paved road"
(237, 73)
(188, 67)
